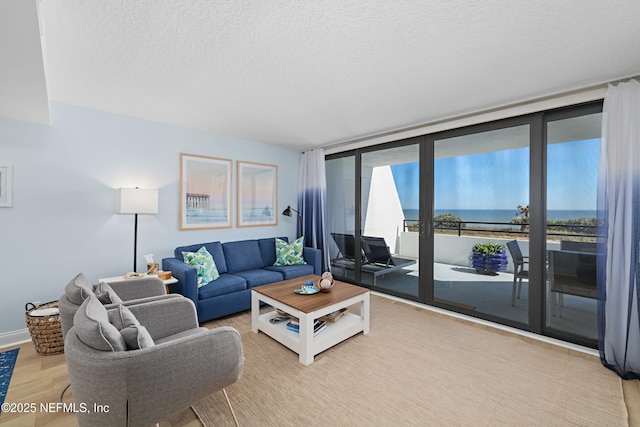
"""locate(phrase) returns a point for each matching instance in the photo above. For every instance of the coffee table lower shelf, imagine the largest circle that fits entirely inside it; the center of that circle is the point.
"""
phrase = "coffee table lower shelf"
(305, 343)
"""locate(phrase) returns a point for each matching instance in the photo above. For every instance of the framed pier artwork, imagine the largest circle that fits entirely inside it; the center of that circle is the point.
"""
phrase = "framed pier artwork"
(205, 192)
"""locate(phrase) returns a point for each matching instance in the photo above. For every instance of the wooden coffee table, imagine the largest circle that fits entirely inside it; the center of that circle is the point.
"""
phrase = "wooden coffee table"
(307, 308)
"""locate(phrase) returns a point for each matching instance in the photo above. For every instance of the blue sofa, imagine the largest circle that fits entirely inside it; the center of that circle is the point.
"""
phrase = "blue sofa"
(242, 265)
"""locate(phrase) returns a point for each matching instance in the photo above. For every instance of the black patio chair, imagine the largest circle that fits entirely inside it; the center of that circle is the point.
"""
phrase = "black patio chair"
(519, 270)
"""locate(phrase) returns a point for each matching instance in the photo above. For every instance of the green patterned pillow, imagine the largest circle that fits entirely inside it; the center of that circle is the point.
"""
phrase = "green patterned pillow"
(204, 264)
(289, 253)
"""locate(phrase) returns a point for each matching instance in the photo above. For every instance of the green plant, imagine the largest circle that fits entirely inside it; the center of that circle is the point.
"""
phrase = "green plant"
(487, 248)
(447, 220)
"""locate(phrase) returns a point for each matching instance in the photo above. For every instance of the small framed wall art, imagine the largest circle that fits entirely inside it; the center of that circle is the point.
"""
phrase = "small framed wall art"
(205, 192)
(6, 185)
(257, 194)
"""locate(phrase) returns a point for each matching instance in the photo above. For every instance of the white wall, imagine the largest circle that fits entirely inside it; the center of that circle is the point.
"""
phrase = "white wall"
(65, 177)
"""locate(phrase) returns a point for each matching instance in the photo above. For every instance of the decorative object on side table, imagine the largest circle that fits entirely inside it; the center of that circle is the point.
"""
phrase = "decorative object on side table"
(326, 282)
(488, 258)
(164, 275)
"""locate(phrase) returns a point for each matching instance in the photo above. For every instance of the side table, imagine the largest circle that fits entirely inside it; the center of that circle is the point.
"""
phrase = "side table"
(167, 282)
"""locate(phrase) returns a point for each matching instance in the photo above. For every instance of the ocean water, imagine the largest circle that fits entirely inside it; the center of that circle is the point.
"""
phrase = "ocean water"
(501, 215)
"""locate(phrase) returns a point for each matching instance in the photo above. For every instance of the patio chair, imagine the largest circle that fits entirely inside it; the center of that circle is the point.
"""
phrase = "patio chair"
(346, 246)
(377, 252)
(571, 273)
(519, 270)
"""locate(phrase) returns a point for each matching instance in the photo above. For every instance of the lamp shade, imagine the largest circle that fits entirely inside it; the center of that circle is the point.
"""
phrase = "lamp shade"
(137, 201)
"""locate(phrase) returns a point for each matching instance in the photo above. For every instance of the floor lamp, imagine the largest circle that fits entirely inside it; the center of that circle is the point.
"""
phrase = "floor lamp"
(287, 212)
(136, 201)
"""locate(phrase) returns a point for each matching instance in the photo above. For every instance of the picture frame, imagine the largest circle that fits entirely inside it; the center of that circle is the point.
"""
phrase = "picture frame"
(205, 192)
(257, 194)
(6, 185)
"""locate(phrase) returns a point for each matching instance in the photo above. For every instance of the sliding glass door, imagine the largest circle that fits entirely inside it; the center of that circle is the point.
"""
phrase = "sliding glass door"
(390, 195)
(481, 203)
(495, 220)
(573, 155)
(341, 216)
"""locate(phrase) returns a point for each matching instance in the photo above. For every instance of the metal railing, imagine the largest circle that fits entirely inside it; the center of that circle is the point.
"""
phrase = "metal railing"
(504, 228)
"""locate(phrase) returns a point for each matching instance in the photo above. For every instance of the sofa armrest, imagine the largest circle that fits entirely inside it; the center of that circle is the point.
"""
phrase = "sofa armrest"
(186, 275)
(137, 288)
(167, 316)
(313, 256)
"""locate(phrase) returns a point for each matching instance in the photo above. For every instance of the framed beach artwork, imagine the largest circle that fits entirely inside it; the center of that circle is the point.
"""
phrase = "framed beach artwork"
(257, 194)
(6, 176)
(205, 192)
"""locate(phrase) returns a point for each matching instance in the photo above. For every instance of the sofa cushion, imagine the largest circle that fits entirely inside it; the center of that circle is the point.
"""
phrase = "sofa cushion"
(289, 253)
(226, 284)
(214, 248)
(91, 323)
(259, 277)
(106, 294)
(78, 289)
(204, 264)
(292, 271)
(243, 255)
(268, 249)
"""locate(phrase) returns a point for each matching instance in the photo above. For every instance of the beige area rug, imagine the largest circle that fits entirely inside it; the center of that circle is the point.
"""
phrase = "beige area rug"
(417, 368)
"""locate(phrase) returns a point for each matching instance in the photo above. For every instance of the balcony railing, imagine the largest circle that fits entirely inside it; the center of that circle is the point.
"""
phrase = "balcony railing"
(471, 227)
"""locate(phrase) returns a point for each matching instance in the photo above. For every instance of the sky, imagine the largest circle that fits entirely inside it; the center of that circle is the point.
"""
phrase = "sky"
(500, 179)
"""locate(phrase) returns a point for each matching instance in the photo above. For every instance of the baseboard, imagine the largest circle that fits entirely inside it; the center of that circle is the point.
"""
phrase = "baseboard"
(13, 338)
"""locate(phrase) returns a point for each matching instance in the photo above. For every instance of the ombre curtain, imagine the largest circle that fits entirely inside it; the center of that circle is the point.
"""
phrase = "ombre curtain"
(312, 200)
(619, 219)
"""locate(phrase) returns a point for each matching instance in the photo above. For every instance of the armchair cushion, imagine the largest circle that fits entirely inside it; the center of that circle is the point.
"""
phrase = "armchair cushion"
(289, 253)
(137, 337)
(78, 289)
(91, 322)
(121, 317)
(106, 294)
(204, 264)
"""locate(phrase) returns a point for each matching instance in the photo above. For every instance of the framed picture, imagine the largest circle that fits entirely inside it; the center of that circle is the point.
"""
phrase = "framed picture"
(257, 194)
(205, 192)
(6, 185)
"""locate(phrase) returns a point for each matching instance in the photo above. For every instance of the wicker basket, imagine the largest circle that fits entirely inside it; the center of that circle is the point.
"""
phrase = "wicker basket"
(46, 332)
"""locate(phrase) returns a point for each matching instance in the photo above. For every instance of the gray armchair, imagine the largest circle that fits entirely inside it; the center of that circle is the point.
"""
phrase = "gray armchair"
(177, 364)
(128, 292)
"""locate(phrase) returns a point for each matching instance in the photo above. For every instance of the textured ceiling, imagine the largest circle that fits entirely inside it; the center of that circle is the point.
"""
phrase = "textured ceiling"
(312, 73)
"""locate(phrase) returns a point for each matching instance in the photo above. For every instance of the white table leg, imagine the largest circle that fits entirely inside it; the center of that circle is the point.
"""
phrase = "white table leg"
(255, 311)
(306, 340)
(366, 303)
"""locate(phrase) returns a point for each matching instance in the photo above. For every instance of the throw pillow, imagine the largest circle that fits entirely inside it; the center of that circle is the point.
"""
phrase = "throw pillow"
(289, 253)
(204, 264)
(137, 337)
(78, 289)
(106, 294)
(91, 323)
(134, 334)
(122, 317)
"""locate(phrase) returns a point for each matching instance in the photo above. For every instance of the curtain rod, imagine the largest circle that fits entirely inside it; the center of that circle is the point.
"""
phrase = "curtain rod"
(602, 85)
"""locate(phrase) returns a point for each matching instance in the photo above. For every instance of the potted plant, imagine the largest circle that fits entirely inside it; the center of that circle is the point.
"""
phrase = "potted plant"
(488, 257)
